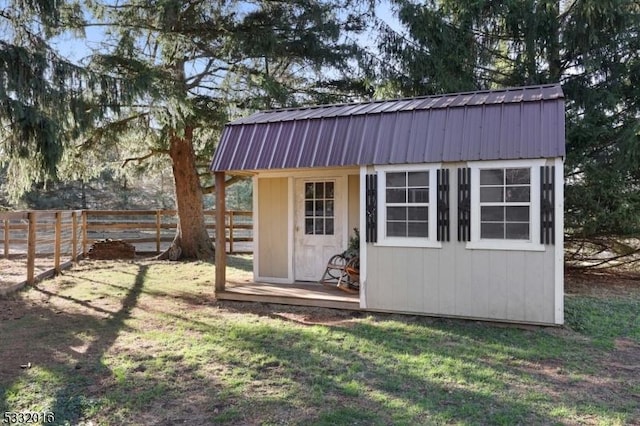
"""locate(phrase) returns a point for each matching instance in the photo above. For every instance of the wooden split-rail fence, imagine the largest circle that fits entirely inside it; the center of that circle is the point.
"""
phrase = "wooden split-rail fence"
(37, 244)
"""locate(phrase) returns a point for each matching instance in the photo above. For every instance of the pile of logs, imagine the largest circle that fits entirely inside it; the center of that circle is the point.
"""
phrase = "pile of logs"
(111, 249)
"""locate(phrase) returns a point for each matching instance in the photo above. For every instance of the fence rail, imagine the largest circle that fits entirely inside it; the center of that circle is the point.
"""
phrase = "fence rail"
(37, 244)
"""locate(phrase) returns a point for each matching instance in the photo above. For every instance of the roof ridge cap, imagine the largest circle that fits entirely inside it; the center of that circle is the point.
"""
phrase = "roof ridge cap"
(411, 98)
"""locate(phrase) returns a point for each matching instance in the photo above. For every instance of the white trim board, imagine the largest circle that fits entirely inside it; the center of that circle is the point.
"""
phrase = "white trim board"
(256, 228)
(311, 173)
(363, 237)
(559, 241)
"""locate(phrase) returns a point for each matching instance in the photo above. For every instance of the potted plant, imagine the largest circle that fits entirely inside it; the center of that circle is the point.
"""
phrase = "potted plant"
(353, 249)
(351, 255)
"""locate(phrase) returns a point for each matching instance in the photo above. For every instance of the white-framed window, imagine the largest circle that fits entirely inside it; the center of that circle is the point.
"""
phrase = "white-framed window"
(407, 205)
(505, 205)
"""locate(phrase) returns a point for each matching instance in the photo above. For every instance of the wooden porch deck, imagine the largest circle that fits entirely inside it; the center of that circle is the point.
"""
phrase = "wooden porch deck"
(298, 293)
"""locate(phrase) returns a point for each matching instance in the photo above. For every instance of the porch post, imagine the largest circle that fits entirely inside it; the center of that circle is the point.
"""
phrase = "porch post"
(221, 234)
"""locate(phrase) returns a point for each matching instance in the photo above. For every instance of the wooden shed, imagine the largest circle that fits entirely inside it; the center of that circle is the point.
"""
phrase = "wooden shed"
(459, 199)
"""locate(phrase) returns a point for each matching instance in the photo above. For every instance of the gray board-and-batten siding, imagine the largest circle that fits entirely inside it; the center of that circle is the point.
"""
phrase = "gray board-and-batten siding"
(518, 123)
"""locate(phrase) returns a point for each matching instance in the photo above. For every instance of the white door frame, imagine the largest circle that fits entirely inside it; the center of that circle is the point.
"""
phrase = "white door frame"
(338, 239)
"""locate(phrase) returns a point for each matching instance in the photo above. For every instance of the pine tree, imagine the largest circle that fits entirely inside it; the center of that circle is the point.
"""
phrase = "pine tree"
(46, 101)
(204, 61)
(590, 46)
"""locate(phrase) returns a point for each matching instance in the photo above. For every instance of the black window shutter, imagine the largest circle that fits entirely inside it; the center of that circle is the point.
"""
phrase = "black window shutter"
(547, 208)
(464, 204)
(443, 205)
(372, 208)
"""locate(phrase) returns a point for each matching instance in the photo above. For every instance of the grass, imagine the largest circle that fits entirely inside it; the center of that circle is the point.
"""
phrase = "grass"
(145, 343)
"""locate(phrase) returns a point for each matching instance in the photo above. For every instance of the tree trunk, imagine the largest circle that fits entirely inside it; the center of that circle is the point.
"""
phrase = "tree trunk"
(191, 240)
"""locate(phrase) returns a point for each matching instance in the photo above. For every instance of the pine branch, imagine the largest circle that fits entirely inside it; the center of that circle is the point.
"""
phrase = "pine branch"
(233, 179)
(151, 153)
(208, 69)
(100, 131)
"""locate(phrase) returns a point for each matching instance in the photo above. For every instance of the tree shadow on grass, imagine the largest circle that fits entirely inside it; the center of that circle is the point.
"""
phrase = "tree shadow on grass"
(474, 372)
(339, 382)
(69, 404)
(550, 369)
(70, 343)
(58, 352)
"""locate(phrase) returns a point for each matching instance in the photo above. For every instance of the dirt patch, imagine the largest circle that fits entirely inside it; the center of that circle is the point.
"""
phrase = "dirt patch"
(602, 283)
(13, 271)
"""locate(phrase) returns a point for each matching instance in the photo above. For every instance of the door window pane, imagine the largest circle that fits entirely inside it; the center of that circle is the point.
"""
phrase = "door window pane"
(308, 208)
(328, 226)
(329, 190)
(328, 206)
(319, 208)
(308, 191)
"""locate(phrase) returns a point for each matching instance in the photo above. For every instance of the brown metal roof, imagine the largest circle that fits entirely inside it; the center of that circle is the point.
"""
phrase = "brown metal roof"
(525, 122)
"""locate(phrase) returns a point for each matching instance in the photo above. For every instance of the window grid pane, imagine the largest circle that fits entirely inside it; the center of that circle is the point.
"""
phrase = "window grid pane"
(407, 201)
(505, 203)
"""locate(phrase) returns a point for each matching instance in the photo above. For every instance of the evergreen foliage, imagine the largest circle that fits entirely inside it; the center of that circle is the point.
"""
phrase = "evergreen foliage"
(46, 101)
(166, 77)
(591, 46)
(204, 62)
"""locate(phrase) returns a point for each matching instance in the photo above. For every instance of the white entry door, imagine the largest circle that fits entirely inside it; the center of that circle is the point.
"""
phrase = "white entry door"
(320, 221)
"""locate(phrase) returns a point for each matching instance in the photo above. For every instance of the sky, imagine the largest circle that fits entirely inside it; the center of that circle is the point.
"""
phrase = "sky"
(77, 50)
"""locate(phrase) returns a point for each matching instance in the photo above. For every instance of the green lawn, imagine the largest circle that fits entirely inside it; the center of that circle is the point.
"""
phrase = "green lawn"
(145, 343)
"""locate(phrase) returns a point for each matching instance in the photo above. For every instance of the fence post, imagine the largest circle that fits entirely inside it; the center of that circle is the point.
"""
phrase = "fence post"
(6, 238)
(158, 223)
(58, 241)
(31, 247)
(74, 236)
(84, 232)
(231, 231)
